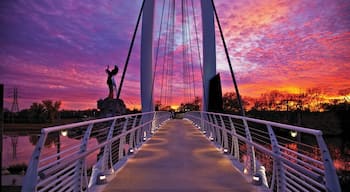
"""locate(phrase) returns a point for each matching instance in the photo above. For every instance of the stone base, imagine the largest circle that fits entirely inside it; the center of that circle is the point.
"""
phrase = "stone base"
(111, 107)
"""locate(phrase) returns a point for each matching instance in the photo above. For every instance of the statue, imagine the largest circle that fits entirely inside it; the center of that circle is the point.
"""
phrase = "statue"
(110, 80)
(109, 106)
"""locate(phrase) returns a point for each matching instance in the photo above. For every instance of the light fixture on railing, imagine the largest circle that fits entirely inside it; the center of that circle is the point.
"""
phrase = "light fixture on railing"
(101, 179)
(64, 133)
(257, 179)
(144, 136)
(131, 151)
(204, 132)
(211, 138)
(225, 150)
(245, 171)
(293, 134)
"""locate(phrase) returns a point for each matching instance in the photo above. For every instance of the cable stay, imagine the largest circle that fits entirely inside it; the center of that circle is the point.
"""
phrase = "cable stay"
(229, 61)
(157, 50)
(130, 50)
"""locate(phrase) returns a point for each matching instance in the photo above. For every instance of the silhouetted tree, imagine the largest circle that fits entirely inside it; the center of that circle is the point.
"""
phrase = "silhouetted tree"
(37, 113)
(52, 109)
(231, 104)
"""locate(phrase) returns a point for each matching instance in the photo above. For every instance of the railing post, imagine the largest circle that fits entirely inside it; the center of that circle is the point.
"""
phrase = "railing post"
(122, 140)
(251, 165)
(154, 123)
(106, 158)
(332, 181)
(139, 133)
(79, 164)
(235, 144)
(31, 177)
(277, 165)
(224, 134)
(146, 126)
(202, 120)
(217, 131)
(133, 134)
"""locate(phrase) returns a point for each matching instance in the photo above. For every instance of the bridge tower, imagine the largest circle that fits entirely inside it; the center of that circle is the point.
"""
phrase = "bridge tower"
(146, 57)
(209, 52)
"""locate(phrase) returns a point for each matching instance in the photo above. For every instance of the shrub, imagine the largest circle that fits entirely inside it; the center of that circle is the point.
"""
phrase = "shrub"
(17, 168)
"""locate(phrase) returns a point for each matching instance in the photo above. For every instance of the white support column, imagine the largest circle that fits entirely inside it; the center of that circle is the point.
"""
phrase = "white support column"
(209, 52)
(146, 56)
(235, 145)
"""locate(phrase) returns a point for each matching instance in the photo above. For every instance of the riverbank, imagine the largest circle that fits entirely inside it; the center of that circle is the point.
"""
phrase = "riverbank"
(33, 128)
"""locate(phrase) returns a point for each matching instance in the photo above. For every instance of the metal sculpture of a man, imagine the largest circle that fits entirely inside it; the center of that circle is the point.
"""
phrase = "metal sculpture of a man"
(110, 80)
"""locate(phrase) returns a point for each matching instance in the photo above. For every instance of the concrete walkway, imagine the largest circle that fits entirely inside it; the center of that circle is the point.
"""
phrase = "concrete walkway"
(178, 158)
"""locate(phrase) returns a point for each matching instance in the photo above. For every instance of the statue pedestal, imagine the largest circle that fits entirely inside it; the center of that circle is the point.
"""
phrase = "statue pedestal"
(111, 107)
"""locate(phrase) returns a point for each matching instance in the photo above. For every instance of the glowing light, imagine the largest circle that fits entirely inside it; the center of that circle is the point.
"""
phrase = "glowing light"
(245, 171)
(175, 107)
(64, 133)
(256, 178)
(293, 134)
(225, 150)
(101, 179)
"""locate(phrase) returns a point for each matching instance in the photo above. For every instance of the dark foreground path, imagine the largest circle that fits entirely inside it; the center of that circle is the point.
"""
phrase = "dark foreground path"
(178, 158)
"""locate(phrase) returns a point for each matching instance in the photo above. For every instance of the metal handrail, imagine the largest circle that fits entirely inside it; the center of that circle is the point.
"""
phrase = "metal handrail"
(280, 166)
(51, 170)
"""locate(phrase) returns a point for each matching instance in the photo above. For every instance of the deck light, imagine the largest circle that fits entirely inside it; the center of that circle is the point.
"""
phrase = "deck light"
(101, 179)
(257, 180)
(131, 151)
(245, 171)
(293, 134)
(225, 150)
(64, 133)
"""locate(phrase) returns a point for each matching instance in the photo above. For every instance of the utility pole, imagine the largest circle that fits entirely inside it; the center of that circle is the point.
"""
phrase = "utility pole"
(14, 106)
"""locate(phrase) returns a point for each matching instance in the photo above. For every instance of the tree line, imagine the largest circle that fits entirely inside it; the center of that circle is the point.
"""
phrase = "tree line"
(45, 112)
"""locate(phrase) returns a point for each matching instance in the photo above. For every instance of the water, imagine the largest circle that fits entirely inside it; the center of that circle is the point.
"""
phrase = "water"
(16, 150)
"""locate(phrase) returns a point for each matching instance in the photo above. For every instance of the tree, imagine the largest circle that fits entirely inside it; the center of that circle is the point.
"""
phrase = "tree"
(37, 113)
(52, 109)
(231, 104)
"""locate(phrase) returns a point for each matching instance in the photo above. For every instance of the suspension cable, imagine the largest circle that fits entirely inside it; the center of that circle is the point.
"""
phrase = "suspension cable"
(191, 54)
(229, 61)
(184, 72)
(157, 51)
(198, 49)
(172, 43)
(130, 49)
(165, 57)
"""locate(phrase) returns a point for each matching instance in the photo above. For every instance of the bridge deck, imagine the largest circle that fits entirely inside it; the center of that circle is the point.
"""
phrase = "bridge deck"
(178, 158)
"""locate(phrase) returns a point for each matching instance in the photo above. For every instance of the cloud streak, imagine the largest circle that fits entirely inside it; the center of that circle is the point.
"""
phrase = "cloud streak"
(59, 50)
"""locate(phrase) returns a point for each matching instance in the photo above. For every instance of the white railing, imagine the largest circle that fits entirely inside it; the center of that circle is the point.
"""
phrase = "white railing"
(281, 157)
(72, 157)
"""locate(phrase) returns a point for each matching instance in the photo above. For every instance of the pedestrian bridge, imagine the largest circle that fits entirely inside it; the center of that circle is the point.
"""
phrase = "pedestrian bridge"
(202, 152)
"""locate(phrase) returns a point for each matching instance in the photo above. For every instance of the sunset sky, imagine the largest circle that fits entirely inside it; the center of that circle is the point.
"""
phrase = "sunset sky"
(59, 49)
